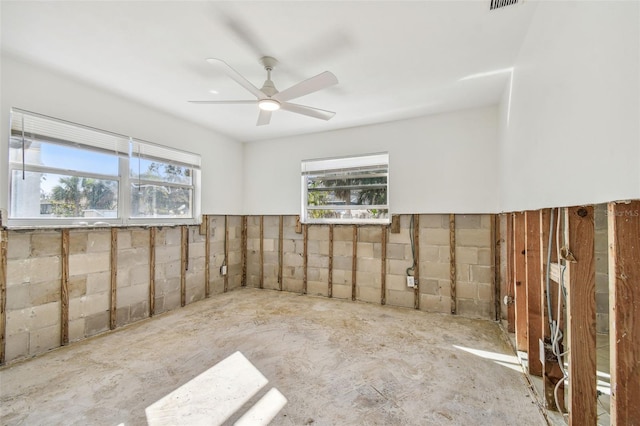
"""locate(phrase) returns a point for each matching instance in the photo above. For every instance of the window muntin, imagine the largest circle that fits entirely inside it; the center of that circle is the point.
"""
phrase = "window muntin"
(346, 190)
(63, 174)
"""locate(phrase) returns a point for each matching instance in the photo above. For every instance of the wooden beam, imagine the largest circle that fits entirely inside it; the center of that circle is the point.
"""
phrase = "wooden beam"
(4, 244)
(452, 261)
(520, 280)
(305, 256)
(580, 279)
(416, 270)
(280, 250)
(64, 290)
(534, 291)
(330, 279)
(226, 252)
(509, 280)
(354, 262)
(261, 282)
(243, 251)
(551, 372)
(114, 279)
(152, 271)
(207, 256)
(184, 256)
(624, 311)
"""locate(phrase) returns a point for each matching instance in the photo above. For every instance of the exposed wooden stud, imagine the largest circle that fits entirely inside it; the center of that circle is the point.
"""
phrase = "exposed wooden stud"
(383, 263)
(226, 252)
(243, 251)
(207, 255)
(395, 224)
(354, 262)
(152, 271)
(114, 278)
(534, 290)
(551, 372)
(184, 244)
(495, 267)
(64, 290)
(330, 283)
(580, 277)
(298, 225)
(624, 311)
(261, 251)
(509, 279)
(4, 244)
(452, 261)
(280, 250)
(520, 281)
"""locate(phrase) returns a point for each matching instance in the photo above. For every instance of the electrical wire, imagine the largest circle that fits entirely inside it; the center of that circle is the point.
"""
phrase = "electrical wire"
(412, 268)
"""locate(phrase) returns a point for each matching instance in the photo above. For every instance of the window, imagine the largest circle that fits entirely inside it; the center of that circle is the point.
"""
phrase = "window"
(65, 174)
(346, 190)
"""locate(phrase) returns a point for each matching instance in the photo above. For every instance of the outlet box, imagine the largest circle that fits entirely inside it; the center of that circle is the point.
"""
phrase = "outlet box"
(223, 270)
(411, 282)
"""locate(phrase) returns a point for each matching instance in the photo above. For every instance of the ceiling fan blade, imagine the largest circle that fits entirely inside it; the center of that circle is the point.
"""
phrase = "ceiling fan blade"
(237, 77)
(307, 86)
(308, 111)
(263, 118)
(225, 102)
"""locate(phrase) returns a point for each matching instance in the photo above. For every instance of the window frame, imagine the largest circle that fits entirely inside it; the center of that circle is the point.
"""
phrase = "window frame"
(125, 158)
(351, 166)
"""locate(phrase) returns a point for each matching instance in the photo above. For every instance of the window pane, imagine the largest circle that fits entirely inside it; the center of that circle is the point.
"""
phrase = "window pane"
(39, 153)
(356, 214)
(159, 172)
(49, 195)
(153, 201)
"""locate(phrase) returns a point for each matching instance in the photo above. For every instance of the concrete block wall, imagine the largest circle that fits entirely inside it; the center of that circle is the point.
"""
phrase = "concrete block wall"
(601, 245)
(473, 262)
(34, 275)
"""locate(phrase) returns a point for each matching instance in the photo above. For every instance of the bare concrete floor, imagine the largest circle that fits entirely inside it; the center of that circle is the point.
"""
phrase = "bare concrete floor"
(336, 362)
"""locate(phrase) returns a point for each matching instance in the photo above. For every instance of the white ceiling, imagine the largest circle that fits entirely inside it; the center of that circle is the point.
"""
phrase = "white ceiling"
(393, 59)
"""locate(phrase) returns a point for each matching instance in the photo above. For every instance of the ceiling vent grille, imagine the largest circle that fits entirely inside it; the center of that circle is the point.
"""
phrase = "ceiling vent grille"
(497, 4)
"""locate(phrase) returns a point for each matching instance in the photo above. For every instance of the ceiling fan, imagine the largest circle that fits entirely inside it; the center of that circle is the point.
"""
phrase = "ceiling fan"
(269, 99)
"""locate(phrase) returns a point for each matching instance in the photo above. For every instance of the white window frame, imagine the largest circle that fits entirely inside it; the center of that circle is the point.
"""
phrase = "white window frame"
(73, 135)
(346, 166)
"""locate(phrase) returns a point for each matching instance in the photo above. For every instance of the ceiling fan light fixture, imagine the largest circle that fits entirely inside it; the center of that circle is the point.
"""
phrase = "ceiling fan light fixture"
(268, 104)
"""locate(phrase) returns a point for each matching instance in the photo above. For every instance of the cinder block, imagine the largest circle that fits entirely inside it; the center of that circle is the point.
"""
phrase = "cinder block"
(17, 346)
(398, 267)
(397, 251)
(341, 291)
(468, 221)
(368, 294)
(342, 263)
(466, 290)
(475, 308)
(172, 300)
(196, 250)
(318, 261)
(602, 323)
(76, 329)
(18, 272)
(463, 272)
(403, 298)
(172, 270)
(46, 243)
(78, 241)
(132, 257)
(87, 263)
(18, 321)
(429, 286)
(396, 282)
(468, 255)
(129, 295)
(370, 234)
(342, 248)
(293, 259)
(44, 269)
(172, 236)
(434, 303)
(44, 339)
(485, 292)
(444, 255)
(98, 241)
(318, 232)
(293, 285)
(342, 233)
(77, 287)
(400, 238)
(139, 311)
(435, 270)
(124, 238)
(473, 237)
(430, 253)
(365, 250)
(433, 221)
(18, 245)
(486, 220)
(317, 288)
(44, 292)
(96, 323)
(18, 297)
(122, 316)
(432, 236)
(368, 279)
(45, 315)
(485, 257)
(369, 265)
(269, 245)
(139, 274)
(481, 274)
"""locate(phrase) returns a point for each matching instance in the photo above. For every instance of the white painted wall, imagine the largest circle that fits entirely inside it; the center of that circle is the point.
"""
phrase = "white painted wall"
(438, 164)
(573, 131)
(32, 88)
